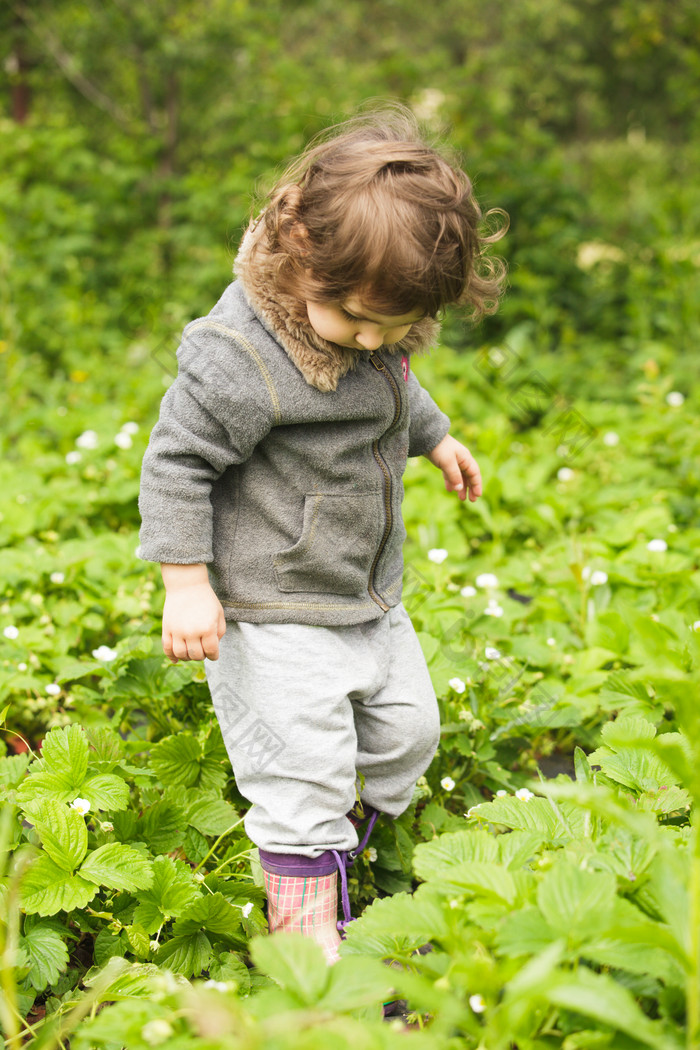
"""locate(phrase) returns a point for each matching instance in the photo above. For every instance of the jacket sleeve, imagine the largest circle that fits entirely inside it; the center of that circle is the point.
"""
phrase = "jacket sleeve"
(428, 424)
(219, 407)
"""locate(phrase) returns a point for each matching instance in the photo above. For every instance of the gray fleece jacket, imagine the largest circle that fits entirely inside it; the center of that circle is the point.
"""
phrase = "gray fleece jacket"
(287, 486)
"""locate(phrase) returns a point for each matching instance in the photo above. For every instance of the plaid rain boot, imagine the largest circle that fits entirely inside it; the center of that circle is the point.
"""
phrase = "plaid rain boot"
(302, 897)
(302, 892)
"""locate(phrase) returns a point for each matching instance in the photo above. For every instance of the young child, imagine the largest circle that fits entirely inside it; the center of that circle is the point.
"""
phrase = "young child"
(271, 495)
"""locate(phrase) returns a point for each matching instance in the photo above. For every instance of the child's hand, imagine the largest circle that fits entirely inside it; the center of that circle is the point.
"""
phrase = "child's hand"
(193, 618)
(459, 468)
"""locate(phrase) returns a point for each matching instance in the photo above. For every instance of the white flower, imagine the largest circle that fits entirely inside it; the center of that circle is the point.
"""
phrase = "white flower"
(477, 1003)
(53, 689)
(22, 667)
(73, 457)
(468, 592)
(247, 909)
(524, 795)
(123, 440)
(565, 473)
(371, 854)
(455, 902)
(11, 632)
(675, 399)
(486, 579)
(493, 609)
(502, 793)
(81, 805)
(57, 577)
(218, 986)
(657, 545)
(492, 654)
(438, 555)
(156, 1031)
(585, 572)
(447, 783)
(611, 439)
(551, 641)
(198, 877)
(598, 578)
(457, 684)
(104, 653)
(130, 428)
(696, 626)
(88, 439)
(153, 945)
(472, 810)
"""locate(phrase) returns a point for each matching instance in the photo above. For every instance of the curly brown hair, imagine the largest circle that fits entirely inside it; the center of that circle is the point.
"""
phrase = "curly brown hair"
(370, 209)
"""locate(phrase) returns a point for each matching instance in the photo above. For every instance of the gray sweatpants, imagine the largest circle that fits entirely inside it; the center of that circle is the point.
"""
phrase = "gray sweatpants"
(304, 709)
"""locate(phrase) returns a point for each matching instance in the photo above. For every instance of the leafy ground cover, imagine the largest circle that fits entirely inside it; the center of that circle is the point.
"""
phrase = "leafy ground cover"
(560, 617)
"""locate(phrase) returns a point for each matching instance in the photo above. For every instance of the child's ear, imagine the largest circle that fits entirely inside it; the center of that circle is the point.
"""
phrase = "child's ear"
(300, 235)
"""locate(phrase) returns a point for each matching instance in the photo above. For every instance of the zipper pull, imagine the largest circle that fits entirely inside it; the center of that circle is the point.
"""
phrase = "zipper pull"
(379, 365)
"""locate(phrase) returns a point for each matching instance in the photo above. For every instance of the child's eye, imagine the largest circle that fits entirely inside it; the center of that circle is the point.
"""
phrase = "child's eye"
(349, 316)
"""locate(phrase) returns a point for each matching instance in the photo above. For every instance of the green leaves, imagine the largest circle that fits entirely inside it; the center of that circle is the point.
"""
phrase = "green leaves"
(62, 775)
(119, 867)
(47, 888)
(63, 834)
(182, 761)
(47, 953)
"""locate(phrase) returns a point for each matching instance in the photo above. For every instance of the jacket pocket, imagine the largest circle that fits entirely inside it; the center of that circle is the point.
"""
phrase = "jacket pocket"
(334, 554)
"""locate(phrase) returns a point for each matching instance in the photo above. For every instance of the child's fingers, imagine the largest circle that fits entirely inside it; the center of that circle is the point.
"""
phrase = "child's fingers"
(168, 647)
(210, 646)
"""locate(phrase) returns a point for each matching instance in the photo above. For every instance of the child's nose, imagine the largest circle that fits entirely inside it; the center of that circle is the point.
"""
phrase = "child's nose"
(370, 338)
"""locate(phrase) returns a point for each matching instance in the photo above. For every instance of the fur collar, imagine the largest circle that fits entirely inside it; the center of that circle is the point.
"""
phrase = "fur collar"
(321, 363)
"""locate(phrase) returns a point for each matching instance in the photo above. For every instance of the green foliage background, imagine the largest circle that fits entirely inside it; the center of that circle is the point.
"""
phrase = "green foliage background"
(135, 140)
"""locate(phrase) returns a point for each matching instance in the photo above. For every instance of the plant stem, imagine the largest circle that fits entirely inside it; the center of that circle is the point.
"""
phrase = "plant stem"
(220, 839)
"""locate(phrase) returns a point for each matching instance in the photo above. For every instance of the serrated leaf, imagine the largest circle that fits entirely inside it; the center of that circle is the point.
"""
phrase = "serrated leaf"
(108, 945)
(482, 878)
(13, 769)
(119, 867)
(230, 967)
(176, 760)
(162, 827)
(397, 925)
(211, 816)
(47, 889)
(431, 859)
(212, 913)
(577, 903)
(42, 787)
(139, 940)
(108, 748)
(170, 893)
(627, 731)
(294, 962)
(65, 752)
(599, 996)
(536, 815)
(634, 767)
(187, 954)
(106, 791)
(63, 834)
(121, 980)
(47, 953)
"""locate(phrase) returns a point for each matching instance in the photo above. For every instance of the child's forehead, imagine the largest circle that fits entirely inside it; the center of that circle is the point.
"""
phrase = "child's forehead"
(355, 305)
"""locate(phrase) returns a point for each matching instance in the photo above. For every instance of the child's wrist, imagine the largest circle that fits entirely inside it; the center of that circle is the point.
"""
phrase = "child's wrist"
(175, 577)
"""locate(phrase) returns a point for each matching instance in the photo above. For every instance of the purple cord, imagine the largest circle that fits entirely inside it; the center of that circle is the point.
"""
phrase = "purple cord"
(345, 860)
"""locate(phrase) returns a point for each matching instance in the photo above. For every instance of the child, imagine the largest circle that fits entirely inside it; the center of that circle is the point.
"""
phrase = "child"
(271, 495)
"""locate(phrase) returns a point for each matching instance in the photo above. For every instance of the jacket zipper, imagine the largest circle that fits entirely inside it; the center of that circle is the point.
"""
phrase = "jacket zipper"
(388, 521)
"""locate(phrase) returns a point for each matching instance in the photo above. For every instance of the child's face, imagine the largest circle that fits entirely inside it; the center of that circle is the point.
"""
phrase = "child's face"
(353, 325)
